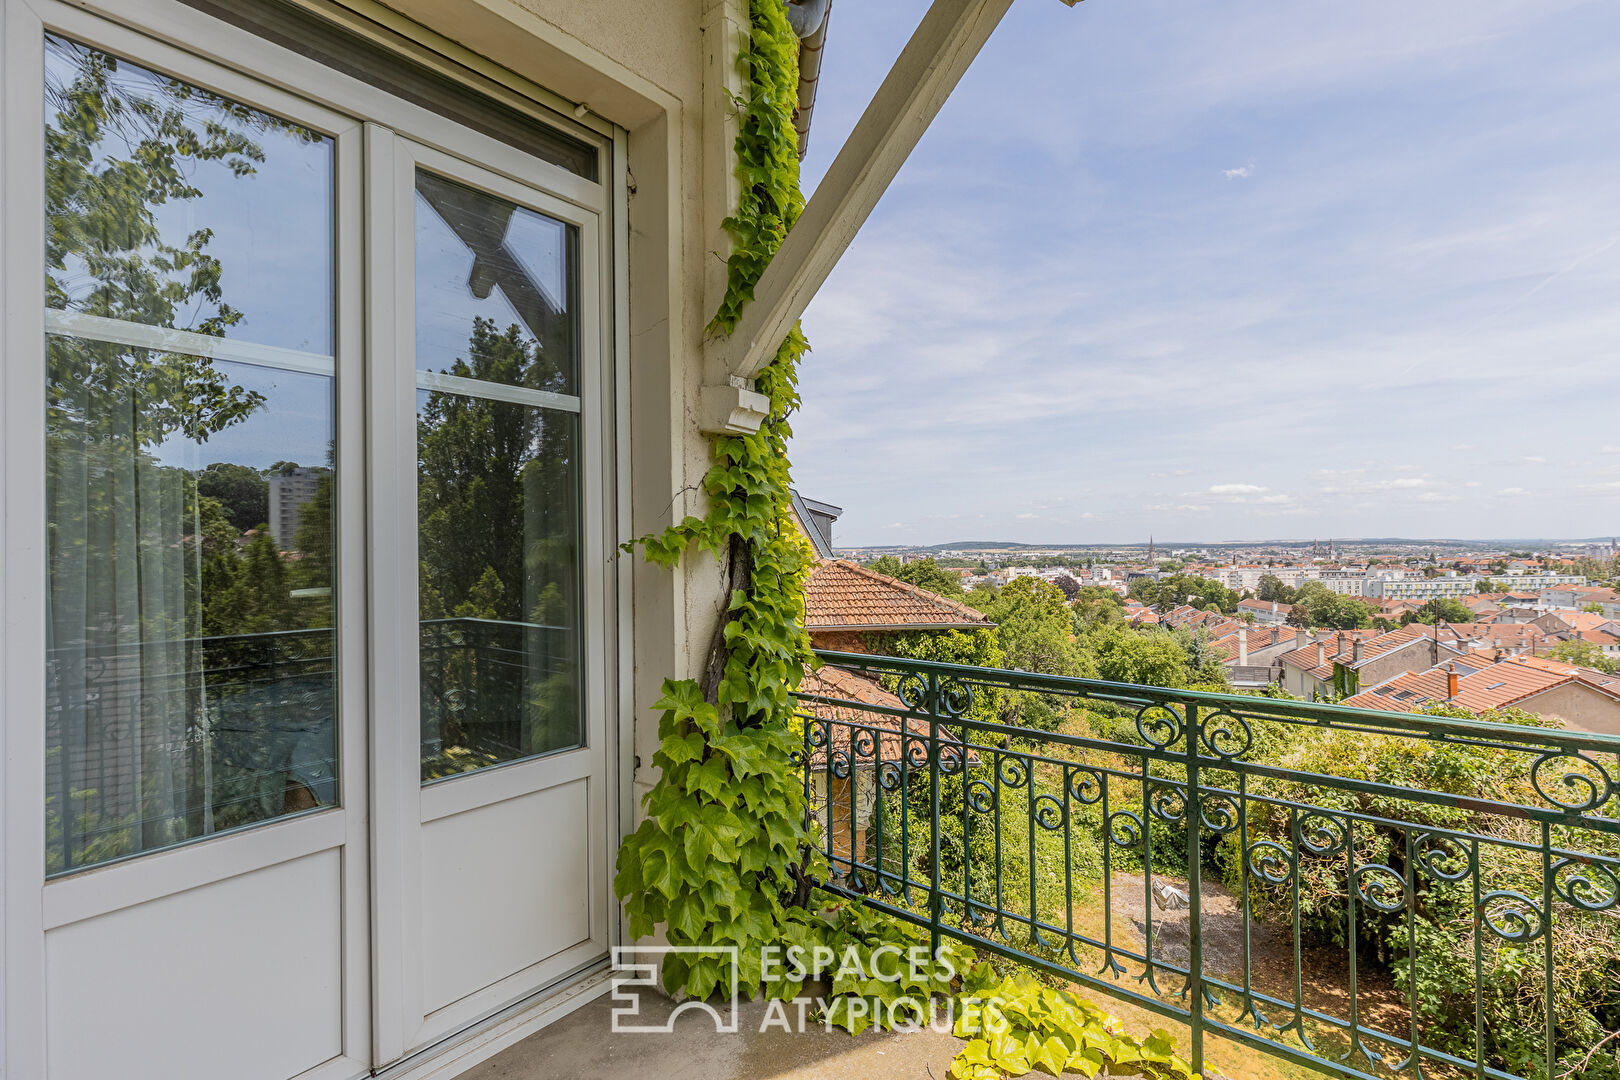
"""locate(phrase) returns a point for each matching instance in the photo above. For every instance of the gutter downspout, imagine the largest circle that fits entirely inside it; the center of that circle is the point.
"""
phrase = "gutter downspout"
(809, 19)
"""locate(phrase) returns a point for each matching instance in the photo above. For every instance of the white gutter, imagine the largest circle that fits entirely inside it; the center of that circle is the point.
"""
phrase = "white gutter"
(809, 19)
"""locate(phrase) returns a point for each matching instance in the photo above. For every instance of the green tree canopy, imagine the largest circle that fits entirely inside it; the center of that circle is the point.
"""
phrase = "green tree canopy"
(242, 492)
(1153, 658)
(1035, 629)
(1584, 654)
(1271, 589)
(923, 573)
(1444, 608)
(1179, 589)
(1097, 604)
(1317, 605)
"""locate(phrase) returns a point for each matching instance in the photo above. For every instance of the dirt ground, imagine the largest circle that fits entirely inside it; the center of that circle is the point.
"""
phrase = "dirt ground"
(1271, 955)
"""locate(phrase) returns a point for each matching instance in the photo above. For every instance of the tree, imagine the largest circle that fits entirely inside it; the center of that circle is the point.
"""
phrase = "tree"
(1272, 590)
(1035, 629)
(1179, 589)
(1444, 608)
(113, 155)
(1317, 605)
(495, 489)
(1096, 605)
(1070, 587)
(497, 508)
(887, 565)
(1584, 654)
(923, 573)
(241, 491)
(1205, 670)
(1152, 658)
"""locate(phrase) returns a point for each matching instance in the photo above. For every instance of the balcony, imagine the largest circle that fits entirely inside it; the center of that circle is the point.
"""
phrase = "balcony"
(1273, 878)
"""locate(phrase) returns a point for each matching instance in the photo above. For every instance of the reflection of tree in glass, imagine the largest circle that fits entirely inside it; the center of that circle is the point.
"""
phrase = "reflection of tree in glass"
(116, 149)
(141, 563)
(497, 509)
(240, 491)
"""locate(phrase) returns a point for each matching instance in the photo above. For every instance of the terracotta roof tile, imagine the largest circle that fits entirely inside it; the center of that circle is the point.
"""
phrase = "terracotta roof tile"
(846, 718)
(842, 595)
(1494, 686)
(1341, 647)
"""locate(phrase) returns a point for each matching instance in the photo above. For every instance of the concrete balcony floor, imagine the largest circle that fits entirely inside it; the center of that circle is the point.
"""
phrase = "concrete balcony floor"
(583, 1044)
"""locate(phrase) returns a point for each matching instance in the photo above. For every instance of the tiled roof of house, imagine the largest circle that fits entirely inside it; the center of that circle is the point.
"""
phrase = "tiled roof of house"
(1265, 606)
(1226, 645)
(846, 719)
(1335, 643)
(1492, 634)
(1582, 620)
(1595, 594)
(1340, 646)
(1494, 686)
(841, 595)
(1596, 637)
(1562, 667)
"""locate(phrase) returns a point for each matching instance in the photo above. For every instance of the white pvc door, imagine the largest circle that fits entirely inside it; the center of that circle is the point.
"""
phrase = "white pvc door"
(185, 692)
(491, 823)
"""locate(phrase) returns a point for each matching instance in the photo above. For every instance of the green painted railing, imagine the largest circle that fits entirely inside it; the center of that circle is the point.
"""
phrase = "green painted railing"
(1167, 848)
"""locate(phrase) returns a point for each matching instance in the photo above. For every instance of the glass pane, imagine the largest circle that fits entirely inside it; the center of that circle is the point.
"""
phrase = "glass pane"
(171, 206)
(189, 676)
(497, 506)
(189, 673)
(482, 258)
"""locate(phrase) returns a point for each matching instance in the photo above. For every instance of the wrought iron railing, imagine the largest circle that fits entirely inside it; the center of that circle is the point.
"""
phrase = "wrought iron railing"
(1362, 892)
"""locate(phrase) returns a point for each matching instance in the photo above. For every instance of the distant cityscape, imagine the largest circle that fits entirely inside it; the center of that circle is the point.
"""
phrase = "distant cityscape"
(1481, 625)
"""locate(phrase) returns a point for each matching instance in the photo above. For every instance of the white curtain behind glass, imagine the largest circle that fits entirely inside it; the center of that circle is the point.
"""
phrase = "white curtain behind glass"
(122, 610)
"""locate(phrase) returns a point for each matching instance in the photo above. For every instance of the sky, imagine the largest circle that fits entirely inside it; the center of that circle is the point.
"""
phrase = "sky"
(1230, 270)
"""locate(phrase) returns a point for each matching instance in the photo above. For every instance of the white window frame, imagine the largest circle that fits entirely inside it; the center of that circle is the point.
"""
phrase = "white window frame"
(168, 36)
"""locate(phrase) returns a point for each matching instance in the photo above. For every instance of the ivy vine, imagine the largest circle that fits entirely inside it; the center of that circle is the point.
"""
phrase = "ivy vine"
(723, 857)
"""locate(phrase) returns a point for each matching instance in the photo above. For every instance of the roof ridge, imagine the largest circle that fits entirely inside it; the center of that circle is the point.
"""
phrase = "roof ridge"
(916, 590)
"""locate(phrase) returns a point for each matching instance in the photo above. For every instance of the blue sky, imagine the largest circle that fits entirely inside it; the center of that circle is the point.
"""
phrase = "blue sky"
(1230, 270)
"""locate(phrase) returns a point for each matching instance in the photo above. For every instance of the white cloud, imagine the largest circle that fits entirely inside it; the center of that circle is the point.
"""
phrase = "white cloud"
(1023, 365)
(1535, 461)
(1407, 482)
(1513, 492)
(1275, 499)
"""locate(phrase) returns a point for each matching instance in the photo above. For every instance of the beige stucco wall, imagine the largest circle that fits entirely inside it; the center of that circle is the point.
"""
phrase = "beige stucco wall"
(1579, 707)
(662, 71)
